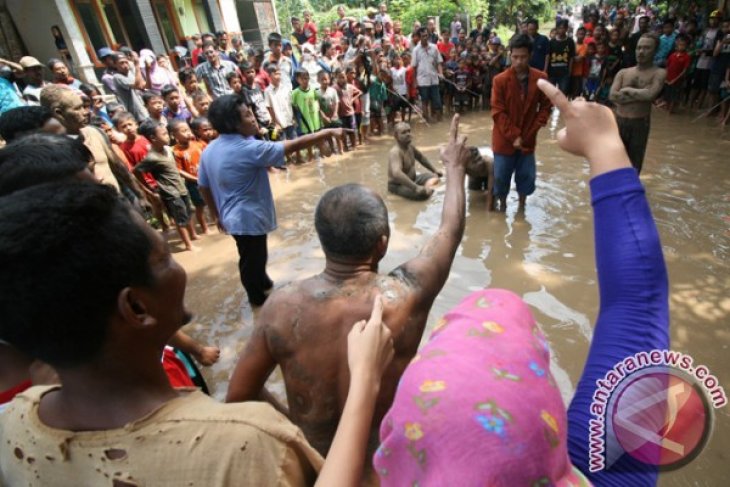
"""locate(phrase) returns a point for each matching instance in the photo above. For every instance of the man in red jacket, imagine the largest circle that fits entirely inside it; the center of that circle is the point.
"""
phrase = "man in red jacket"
(519, 109)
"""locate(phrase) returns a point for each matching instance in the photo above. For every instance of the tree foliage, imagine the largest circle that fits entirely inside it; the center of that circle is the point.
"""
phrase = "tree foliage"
(407, 11)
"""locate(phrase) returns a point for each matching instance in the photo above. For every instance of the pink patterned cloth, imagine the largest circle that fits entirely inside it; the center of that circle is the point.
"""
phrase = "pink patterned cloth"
(478, 406)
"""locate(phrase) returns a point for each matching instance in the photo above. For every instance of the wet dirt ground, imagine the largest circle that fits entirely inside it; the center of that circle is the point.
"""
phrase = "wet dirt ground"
(545, 255)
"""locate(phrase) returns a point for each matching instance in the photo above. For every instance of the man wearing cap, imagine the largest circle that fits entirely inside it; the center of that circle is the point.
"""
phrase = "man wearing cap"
(480, 29)
(106, 56)
(33, 70)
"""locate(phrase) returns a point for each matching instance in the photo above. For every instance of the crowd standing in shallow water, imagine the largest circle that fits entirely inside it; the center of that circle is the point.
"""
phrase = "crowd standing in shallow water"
(195, 147)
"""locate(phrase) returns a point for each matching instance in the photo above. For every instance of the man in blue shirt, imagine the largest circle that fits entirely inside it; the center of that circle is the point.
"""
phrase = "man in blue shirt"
(540, 46)
(234, 182)
(666, 43)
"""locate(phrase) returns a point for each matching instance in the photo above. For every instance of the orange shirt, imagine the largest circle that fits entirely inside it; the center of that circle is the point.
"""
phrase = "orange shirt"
(188, 159)
(579, 68)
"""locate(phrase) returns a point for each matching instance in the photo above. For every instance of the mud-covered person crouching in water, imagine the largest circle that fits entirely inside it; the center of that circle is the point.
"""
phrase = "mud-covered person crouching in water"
(303, 326)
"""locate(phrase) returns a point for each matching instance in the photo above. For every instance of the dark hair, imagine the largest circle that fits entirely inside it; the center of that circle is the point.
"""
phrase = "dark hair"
(301, 72)
(88, 89)
(561, 23)
(168, 89)
(122, 117)
(221, 33)
(272, 68)
(521, 41)
(197, 122)
(148, 96)
(119, 55)
(245, 66)
(148, 128)
(97, 121)
(294, 19)
(207, 35)
(19, 120)
(80, 237)
(175, 123)
(534, 22)
(41, 158)
(350, 219)
(325, 46)
(231, 75)
(669, 21)
(113, 106)
(185, 74)
(207, 44)
(52, 62)
(682, 37)
(423, 31)
(224, 113)
(274, 37)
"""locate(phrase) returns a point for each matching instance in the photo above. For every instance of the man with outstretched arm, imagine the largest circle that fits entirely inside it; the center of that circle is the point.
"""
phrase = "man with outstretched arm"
(234, 182)
(303, 326)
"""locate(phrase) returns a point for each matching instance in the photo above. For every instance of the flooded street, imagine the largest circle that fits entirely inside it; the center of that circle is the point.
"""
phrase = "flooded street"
(545, 255)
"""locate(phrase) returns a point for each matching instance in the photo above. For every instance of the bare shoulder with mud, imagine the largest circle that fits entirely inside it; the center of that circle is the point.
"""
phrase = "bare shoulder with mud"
(307, 323)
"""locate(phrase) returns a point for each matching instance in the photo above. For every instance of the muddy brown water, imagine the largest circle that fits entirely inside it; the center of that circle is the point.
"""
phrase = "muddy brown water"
(545, 255)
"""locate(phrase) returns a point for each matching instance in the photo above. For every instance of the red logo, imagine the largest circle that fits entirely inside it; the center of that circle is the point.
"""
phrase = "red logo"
(661, 417)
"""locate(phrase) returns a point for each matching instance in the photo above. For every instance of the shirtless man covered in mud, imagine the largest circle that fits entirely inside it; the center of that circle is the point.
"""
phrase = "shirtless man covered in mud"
(480, 170)
(402, 177)
(633, 91)
(303, 326)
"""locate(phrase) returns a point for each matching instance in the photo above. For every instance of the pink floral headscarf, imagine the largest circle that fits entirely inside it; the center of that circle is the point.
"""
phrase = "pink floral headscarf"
(478, 405)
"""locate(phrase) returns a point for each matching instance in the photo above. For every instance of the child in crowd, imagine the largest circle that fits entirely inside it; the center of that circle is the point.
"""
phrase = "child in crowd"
(135, 147)
(594, 70)
(463, 82)
(255, 99)
(305, 104)
(203, 129)
(329, 103)
(154, 105)
(235, 82)
(357, 102)
(161, 164)
(187, 153)
(189, 82)
(174, 109)
(678, 63)
(400, 88)
(378, 96)
(278, 102)
(348, 95)
(495, 62)
(201, 102)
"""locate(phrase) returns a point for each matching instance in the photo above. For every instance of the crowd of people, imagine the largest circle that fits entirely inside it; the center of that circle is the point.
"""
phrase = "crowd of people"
(93, 300)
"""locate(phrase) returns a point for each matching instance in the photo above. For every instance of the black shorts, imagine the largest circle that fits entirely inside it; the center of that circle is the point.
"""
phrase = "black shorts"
(179, 209)
(194, 193)
(348, 122)
(701, 79)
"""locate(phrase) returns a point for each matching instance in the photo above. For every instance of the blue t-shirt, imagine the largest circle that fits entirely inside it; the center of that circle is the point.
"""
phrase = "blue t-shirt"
(666, 43)
(540, 48)
(234, 169)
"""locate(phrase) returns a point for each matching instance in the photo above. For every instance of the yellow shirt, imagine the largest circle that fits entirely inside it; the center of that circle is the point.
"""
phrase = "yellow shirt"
(189, 441)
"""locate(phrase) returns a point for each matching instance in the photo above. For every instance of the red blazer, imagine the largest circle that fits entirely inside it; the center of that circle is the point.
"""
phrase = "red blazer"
(515, 115)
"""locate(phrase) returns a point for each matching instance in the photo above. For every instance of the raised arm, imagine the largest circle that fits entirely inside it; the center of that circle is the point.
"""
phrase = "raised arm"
(430, 269)
(310, 139)
(632, 276)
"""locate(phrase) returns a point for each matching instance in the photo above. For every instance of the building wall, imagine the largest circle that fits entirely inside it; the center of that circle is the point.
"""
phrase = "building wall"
(34, 19)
